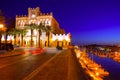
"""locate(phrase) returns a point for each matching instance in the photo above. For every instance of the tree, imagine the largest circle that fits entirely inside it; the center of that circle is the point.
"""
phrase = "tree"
(31, 27)
(22, 32)
(47, 29)
(13, 32)
(39, 28)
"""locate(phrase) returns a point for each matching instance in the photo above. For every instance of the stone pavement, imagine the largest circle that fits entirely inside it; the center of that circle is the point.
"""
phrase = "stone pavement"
(75, 71)
(63, 66)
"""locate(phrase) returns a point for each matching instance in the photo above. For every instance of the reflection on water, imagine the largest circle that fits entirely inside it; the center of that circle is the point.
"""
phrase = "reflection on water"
(108, 64)
(94, 70)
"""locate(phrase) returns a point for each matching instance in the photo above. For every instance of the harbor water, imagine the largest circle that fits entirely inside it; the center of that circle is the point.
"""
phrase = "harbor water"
(109, 65)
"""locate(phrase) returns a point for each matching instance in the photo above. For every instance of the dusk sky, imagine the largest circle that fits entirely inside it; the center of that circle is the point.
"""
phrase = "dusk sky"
(88, 21)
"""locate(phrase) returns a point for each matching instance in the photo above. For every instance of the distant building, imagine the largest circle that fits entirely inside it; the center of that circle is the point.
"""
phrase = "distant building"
(35, 16)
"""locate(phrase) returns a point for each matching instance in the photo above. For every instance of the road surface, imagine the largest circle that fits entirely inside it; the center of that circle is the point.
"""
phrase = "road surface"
(19, 66)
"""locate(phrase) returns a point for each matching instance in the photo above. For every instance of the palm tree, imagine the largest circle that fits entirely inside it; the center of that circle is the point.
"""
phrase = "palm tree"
(48, 29)
(22, 32)
(39, 28)
(13, 32)
(31, 27)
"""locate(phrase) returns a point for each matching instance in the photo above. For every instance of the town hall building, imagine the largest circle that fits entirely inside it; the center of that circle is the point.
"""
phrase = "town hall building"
(35, 16)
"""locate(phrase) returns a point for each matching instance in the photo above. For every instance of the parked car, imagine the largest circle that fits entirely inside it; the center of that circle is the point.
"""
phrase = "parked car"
(59, 47)
(6, 46)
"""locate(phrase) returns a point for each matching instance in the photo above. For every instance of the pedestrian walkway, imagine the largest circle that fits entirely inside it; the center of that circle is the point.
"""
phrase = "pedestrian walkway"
(52, 50)
(63, 66)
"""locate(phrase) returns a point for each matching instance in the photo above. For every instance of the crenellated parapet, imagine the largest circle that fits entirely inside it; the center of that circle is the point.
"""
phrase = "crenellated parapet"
(19, 16)
(37, 8)
(46, 14)
(34, 12)
(61, 37)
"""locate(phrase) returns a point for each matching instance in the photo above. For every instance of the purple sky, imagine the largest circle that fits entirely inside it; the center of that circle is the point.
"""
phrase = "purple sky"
(89, 21)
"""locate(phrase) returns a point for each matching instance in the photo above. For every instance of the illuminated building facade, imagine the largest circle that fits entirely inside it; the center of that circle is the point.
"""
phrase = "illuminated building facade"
(35, 16)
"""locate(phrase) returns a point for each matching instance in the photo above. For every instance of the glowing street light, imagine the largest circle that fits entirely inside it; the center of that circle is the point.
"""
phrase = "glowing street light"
(1, 26)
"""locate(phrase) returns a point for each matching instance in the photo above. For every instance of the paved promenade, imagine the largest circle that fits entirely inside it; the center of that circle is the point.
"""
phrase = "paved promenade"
(63, 66)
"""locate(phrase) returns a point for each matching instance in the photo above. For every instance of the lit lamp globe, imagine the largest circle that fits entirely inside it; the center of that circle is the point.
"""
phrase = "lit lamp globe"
(2, 28)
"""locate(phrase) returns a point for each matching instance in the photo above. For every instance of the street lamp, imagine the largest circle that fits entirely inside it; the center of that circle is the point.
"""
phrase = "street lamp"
(1, 26)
